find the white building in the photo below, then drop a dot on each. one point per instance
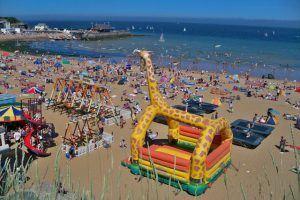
(4, 24)
(41, 27)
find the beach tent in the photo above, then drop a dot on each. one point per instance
(7, 99)
(297, 89)
(84, 73)
(98, 67)
(235, 77)
(123, 80)
(272, 120)
(216, 101)
(272, 87)
(11, 114)
(235, 88)
(65, 61)
(91, 62)
(5, 53)
(163, 79)
(34, 90)
(37, 62)
(80, 59)
(128, 67)
(58, 65)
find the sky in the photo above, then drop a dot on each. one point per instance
(89, 9)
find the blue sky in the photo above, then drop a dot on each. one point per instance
(74, 9)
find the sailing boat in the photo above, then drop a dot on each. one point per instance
(161, 39)
(266, 34)
(184, 29)
(18, 44)
(132, 27)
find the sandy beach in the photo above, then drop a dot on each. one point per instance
(260, 173)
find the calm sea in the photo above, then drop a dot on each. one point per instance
(258, 50)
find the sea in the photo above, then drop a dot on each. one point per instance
(194, 46)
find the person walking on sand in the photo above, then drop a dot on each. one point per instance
(231, 107)
(282, 144)
(122, 122)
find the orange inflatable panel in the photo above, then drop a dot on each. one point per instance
(217, 154)
(185, 168)
(187, 134)
(165, 156)
(191, 130)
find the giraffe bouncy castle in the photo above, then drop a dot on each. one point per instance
(192, 157)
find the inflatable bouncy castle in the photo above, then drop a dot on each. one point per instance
(193, 156)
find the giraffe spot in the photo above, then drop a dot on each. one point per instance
(210, 131)
(198, 119)
(187, 117)
(176, 115)
(171, 112)
(197, 161)
(208, 138)
(196, 168)
(200, 174)
(204, 145)
(205, 121)
(202, 154)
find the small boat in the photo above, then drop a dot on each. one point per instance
(162, 39)
(132, 27)
(184, 29)
(218, 45)
(266, 34)
(18, 43)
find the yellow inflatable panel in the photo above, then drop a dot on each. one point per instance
(164, 173)
(188, 139)
(165, 169)
(174, 152)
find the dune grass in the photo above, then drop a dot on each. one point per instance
(13, 173)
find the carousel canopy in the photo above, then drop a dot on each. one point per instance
(10, 114)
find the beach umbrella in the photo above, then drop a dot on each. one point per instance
(216, 101)
(10, 113)
(34, 90)
(273, 111)
(58, 65)
(297, 89)
(5, 53)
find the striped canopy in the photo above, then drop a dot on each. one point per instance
(10, 113)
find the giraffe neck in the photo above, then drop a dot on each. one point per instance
(155, 95)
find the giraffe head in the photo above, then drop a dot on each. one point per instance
(145, 56)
